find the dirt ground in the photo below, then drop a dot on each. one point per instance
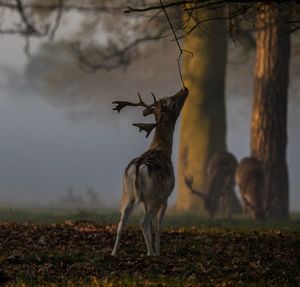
(79, 254)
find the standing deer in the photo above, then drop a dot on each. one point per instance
(250, 179)
(219, 183)
(149, 179)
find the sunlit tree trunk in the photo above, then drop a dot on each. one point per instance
(269, 116)
(203, 125)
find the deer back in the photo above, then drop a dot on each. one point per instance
(220, 172)
(220, 178)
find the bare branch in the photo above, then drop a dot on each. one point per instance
(67, 7)
(176, 39)
(30, 28)
(114, 57)
(294, 24)
(57, 20)
(158, 7)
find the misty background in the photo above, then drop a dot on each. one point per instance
(59, 134)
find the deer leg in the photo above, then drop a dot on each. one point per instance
(245, 204)
(223, 203)
(151, 232)
(229, 195)
(147, 221)
(146, 228)
(159, 218)
(124, 216)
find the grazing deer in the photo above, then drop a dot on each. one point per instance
(219, 183)
(149, 179)
(250, 179)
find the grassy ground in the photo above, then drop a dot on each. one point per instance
(72, 248)
(111, 216)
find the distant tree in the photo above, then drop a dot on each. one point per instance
(203, 126)
(269, 116)
(71, 199)
(93, 199)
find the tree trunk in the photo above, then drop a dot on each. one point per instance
(203, 125)
(269, 115)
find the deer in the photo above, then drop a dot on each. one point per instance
(250, 179)
(219, 183)
(149, 179)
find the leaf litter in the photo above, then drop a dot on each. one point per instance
(60, 254)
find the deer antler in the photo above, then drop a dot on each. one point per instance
(189, 183)
(146, 127)
(122, 104)
(149, 109)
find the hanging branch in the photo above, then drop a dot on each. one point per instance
(57, 20)
(29, 27)
(177, 41)
(155, 7)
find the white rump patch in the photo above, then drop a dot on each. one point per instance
(144, 177)
(144, 174)
(145, 184)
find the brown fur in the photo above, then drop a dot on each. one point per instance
(219, 183)
(250, 179)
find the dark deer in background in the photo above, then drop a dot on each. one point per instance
(250, 179)
(149, 179)
(219, 183)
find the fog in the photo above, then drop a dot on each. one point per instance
(58, 131)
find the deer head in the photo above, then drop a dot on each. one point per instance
(165, 110)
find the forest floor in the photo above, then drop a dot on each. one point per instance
(77, 253)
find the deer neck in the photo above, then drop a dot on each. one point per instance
(163, 138)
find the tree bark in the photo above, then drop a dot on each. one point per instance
(203, 124)
(269, 115)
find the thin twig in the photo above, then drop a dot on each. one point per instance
(155, 7)
(155, 15)
(57, 20)
(171, 26)
(117, 57)
(176, 39)
(67, 7)
(29, 27)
